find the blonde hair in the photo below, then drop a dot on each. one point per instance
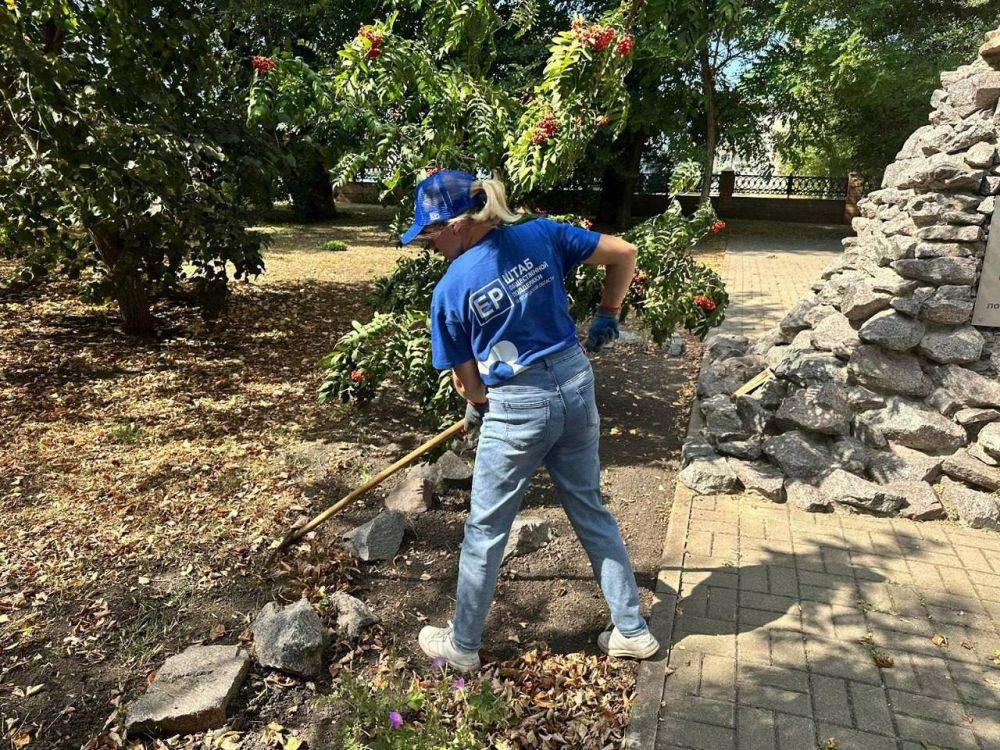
(495, 211)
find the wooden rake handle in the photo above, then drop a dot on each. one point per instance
(376, 480)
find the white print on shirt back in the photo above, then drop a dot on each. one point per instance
(518, 282)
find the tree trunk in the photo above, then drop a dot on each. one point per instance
(126, 285)
(619, 180)
(711, 121)
(310, 187)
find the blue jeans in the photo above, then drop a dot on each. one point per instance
(544, 414)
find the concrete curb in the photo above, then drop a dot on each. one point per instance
(644, 722)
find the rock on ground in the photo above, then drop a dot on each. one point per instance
(694, 447)
(806, 497)
(843, 487)
(900, 463)
(760, 477)
(415, 491)
(353, 615)
(971, 388)
(290, 638)
(896, 372)
(913, 425)
(989, 439)
(527, 535)
(455, 470)
(960, 465)
(191, 692)
(379, 539)
(922, 503)
(976, 509)
(709, 476)
(892, 330)
(798, 455)
(821, 408)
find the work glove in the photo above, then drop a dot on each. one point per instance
(603, 330)
(474, 414)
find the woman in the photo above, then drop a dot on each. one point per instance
(500, 321)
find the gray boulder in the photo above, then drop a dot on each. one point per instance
(843, 487)
(709, 476)
(455, 470)
(861, 301)
(895, 372)
(989, 439)
(937, 172)
(290, 638)
(938, 271)
(723, 346)
(834, 334)
(379, 539)
(974, 508)
(961, 465)
(945, 402)
(527, 535)
(971, 388)
(798, 455)
(956, 346)
(806, 367)
(415, 491)
(974, 419)
(749, 449)
(806, 497)
(862, 399)
(850, 454)
(795, 319)
(760, 477)
(191, 692)
(951, 233)
(922, 503)
(726, 375)
(976, 450)
(902, 464)
(722, 420)
(912, 424)
(820, 408)
(694, 447)
(892, 331)
(353, 615)
(950, 304)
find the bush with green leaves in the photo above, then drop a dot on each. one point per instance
(438, 713)
(670, 290)
(124, 159)
(335, 246)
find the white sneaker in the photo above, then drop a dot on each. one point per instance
(615, 644)
(437, 644)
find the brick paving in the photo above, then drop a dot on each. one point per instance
(779, 626)
(766, 273)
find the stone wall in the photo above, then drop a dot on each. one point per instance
(884, 396)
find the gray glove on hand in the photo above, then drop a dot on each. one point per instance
(474, 414)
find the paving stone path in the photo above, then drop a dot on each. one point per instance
(766, 273)
(780, 625)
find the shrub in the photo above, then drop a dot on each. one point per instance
(335, 246)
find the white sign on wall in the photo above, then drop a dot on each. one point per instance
(987, 311)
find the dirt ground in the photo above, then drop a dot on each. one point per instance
(142, 482)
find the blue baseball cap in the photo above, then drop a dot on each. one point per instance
(440, 197)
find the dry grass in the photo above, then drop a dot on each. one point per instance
(140, 480)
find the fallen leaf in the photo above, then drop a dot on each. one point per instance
(20, 738)
(939, 640)
(883, 661)
(967, 644)
(218, 630)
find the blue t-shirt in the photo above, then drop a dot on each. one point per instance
(503, 302)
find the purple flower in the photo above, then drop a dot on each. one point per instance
(438, 661)
(395, 720)
(458, 684)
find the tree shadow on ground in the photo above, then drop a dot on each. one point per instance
(798, 647)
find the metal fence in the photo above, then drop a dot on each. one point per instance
(791, 186)
(786, 186)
